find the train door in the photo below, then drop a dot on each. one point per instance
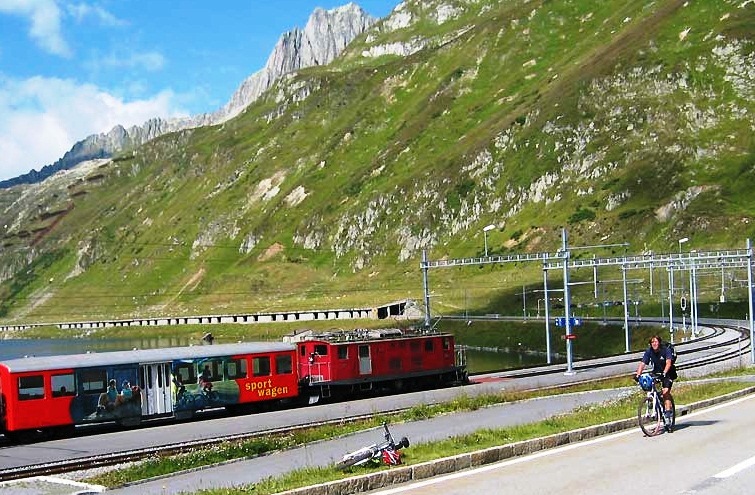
(365, 361)
(155, 382)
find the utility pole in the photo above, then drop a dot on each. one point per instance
(567, 303)
(426, 287)
(626, 308)
(749, 290)
(547, 316)
(671, 303)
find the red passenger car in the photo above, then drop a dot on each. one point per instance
(53, 392)
(343, 362)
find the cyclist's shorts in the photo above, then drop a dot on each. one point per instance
(667, 382)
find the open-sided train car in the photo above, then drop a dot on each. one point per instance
(338, 363)
(44, 393)
(59, 392)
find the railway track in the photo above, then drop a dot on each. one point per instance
(81, 463)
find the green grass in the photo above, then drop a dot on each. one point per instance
(396, 154)
(683, 393)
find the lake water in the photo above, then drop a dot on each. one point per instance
(15, 348)
(477, 360)
(481, 361)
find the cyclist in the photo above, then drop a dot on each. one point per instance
(662, 359)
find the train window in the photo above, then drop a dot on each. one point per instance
(261, 366)
(63, 385)
(211, 371)
(446, 344)
(31, 387)
(429, 345)
(321, 350)
(364, 351)
(283, 364)
(186, 372)
(303, 350)
(343, 352)
(235, 368)
(94, 381)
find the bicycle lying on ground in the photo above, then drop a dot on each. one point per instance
(650, 415)
(387, 451)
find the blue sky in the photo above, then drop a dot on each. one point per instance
(71, 68)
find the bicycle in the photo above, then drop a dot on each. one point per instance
(388, 451)
(650, 413)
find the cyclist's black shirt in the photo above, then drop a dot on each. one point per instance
(659, 359)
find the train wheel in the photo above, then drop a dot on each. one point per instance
(65, 431)
(130, 421)
(24, 436)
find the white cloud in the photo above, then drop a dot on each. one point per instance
(151, 61)
(44, 16)
(81, 11)
(44, 117)
(46, 19)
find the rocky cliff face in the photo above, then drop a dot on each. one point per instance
(324, 37)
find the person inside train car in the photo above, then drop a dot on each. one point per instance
(125, 395)
(205, 379)
(107, 399)
(178, 381)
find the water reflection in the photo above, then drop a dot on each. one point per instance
(480, 361)
(15, 348)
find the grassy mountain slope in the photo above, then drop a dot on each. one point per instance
(621, 121)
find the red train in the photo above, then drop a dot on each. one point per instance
(58, 392)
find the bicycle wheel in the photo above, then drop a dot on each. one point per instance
(648, 418)
(673, 416)
(354, 458)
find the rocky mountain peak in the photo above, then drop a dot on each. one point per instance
(324, 37)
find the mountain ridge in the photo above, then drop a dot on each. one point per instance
(622, 122)
(325, 34)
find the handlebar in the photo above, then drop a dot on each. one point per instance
(651, 373)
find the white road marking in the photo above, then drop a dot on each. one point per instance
(736, 468)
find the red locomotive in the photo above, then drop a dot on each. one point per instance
(346, 362)
(58, 392)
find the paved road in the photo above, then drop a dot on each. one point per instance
(710, 453)
(328, 452)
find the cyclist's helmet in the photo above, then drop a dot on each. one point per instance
(646, 382)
